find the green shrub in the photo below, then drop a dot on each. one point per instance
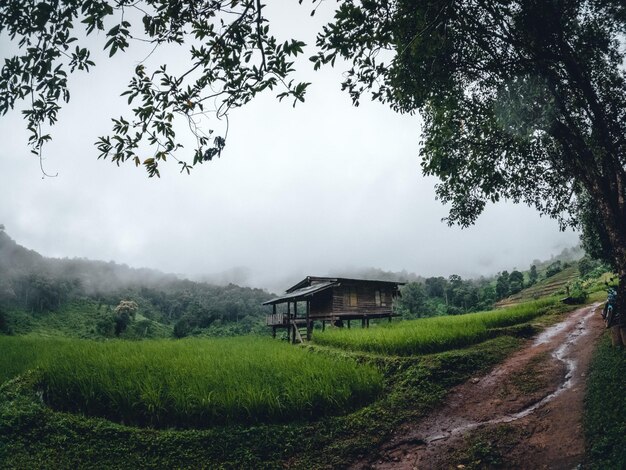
(4, 323)
(577, 292)
(181, 328)
(554, 269)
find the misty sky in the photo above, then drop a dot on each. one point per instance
(305, 191)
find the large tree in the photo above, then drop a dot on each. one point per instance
(520, 99)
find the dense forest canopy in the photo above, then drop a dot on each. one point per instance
(38, 284)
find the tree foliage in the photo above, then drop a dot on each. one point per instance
(503, 285)
(554, 268)
(440, 296)
(521, 99)
(124, 314)
(232, 57)
(516, 281)
(533, 276)
(413, 300)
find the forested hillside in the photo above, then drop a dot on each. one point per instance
(33, 287)
(434, 296)
(84, 298)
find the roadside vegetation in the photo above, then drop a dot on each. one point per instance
(605, 408)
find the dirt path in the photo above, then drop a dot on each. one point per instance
(525, 413)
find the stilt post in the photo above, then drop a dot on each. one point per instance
(308, 321)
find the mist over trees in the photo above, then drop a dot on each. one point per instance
(521, 100)
(38, 284)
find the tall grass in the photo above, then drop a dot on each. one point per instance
(429, 335)
(20, 353)
(196, 382)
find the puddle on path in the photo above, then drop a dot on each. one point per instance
(560, 354)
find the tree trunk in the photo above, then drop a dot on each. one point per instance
(616, 231)
(621, 296)
(616, 337)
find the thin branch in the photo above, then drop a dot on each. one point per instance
(259, 28)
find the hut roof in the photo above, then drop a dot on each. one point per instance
(301, 294)
(313, 284)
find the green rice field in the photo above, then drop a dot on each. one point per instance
(191, 382)
(245, 380)
(429, 335)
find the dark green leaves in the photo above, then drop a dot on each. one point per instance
(119, 35)
(521, 100)
(233, 57)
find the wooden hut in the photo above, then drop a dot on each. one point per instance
(331, 299)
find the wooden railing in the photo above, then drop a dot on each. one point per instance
(276, 319)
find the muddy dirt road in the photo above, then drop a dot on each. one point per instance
(528, 409)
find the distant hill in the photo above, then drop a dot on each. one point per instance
(94, 276)
(34, 284)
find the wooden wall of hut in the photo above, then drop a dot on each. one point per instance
(350, 299)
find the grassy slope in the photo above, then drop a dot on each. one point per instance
(546, 287)
(427, 335)
(412, 385)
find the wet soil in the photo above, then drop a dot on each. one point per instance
(525, 413)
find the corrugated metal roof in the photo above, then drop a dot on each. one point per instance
(302, 293)
(316, 279)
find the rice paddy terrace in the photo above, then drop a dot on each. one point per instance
(192, 382)
(551, 286)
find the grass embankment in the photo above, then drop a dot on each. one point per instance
(20, 353)
(429, 335)
(194, 382)
(605, 408)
